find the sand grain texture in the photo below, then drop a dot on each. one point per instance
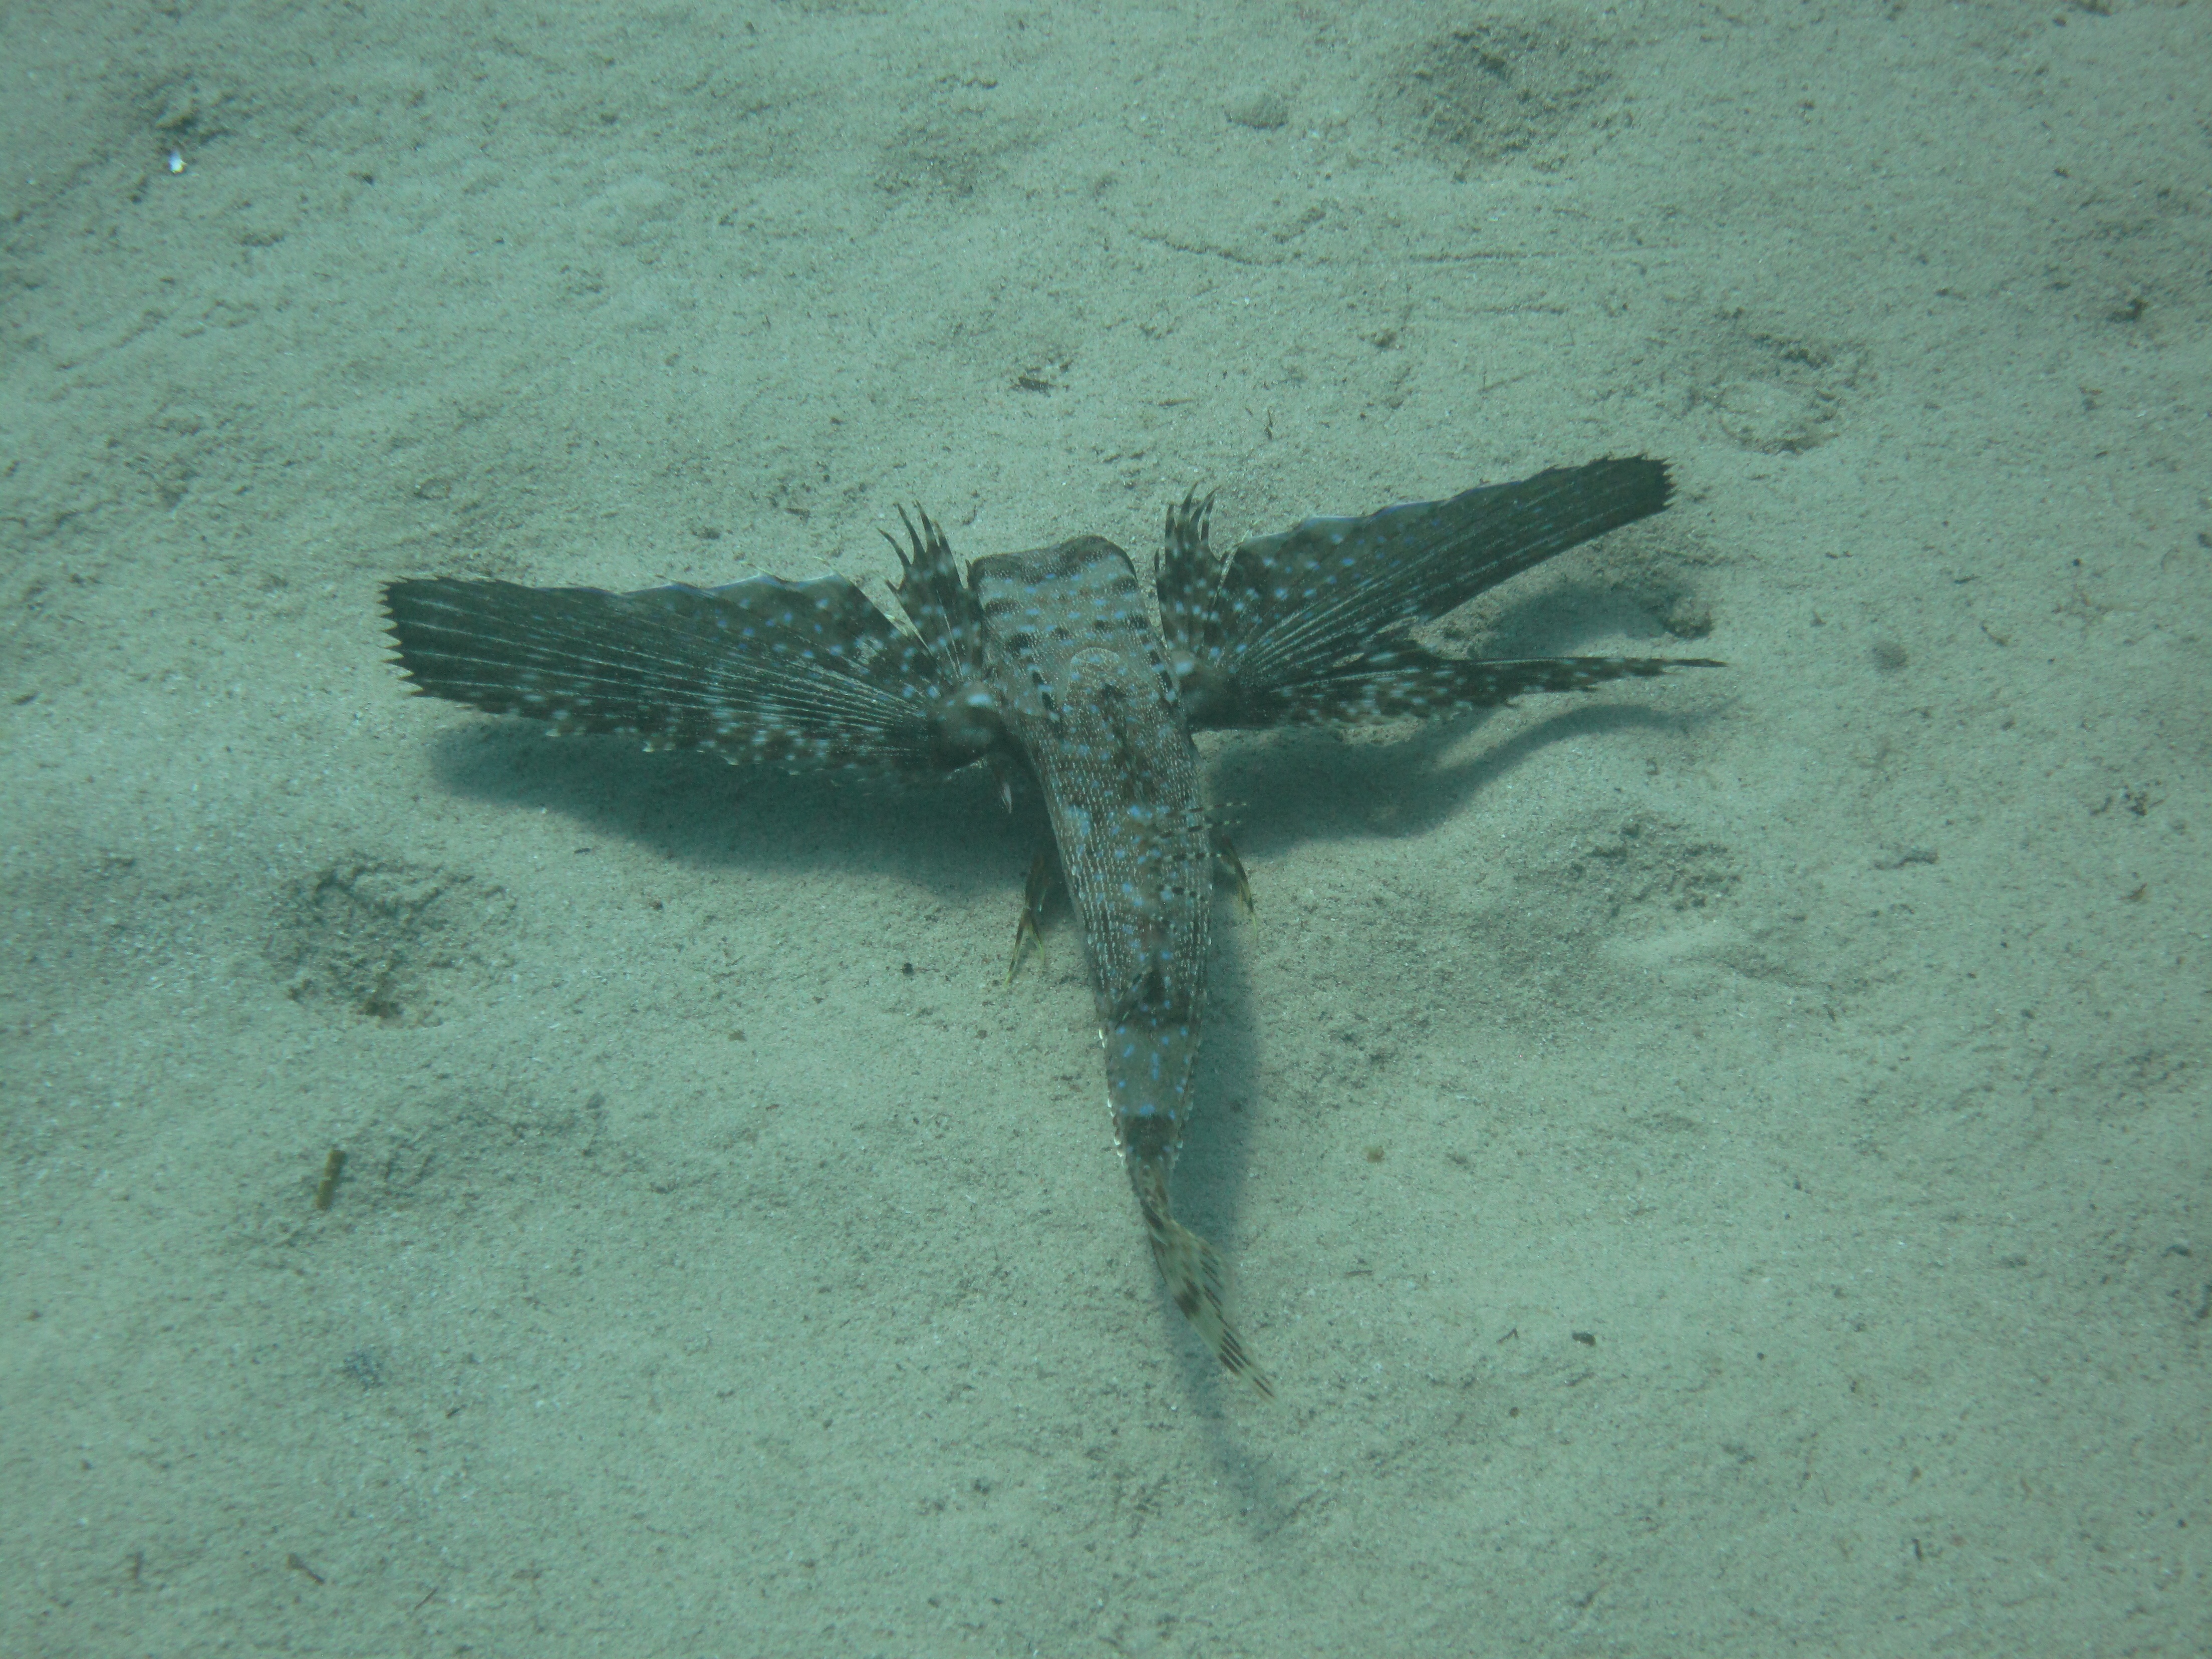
(1713, 1167)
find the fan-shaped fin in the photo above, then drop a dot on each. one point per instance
(804, 674)
(1318, 602)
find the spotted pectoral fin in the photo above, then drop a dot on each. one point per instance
(1290, 608)
(1413, 684)
(798, 674)
(1192, 1272)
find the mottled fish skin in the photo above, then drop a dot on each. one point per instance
(1050, 664)
(1085, 689)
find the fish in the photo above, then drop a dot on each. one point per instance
(1055, 669)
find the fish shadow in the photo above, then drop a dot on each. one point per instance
(1304, 784)
(951, 837)
(954, 839)
(1298, 787)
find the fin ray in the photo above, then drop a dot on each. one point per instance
(804, 674)
(1192, 1272)
(1319, 602)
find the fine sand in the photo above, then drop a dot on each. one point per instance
(1713, 1166)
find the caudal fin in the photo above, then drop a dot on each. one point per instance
(1193, 1273)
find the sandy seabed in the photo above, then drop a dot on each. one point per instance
(1715, 1166)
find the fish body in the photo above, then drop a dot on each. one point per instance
(1051, 664)
(1087, 694)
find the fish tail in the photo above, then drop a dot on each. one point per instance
(1192, 1272)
